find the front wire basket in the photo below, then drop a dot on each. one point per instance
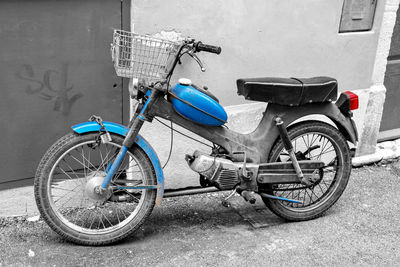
(143, 57)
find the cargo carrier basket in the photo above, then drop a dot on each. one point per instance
(142, 57)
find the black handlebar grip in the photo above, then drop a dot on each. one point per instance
(208, 48)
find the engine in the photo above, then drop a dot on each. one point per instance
(221, 172)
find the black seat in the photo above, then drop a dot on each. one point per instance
(288, 91)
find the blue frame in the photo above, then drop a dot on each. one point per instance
(92, 126)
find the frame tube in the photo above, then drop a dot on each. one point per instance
(257, 144)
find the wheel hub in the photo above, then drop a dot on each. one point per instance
(93, 187)
(316, 177)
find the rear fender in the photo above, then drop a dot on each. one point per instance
(344, 123)
(88, 127)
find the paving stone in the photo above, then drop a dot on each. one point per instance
(258, 215)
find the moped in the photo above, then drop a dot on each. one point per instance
(99, 183)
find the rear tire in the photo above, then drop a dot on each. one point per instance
(332, 148)
(63, 180)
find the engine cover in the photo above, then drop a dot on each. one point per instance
(222, 173)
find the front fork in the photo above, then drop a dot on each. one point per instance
(129, 139)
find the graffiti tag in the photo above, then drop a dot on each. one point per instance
(45, 88)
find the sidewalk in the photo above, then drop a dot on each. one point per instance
(18, 202)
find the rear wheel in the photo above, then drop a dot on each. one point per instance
(67, 177)
(311, 141)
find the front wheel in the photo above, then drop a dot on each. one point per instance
(66, 180)
(311, 140)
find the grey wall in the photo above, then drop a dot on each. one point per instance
(265, 38)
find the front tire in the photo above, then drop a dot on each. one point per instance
(64, 185)
(325, 143)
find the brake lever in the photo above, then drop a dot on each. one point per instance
(196, 58)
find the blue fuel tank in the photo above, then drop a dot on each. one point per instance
(197, 106)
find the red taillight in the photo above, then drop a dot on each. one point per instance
(353, 100)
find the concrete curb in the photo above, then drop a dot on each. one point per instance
(388, 150)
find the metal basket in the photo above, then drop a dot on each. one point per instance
(142, 57)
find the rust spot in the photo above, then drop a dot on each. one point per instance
(159, 195)
(158, 201)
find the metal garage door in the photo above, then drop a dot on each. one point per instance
(55, 71)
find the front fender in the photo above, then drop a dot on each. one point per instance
(88, 127)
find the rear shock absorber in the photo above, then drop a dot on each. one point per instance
(287, 143)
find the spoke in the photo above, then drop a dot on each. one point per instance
(68, 200)
(124, 212)
(308, 193)
(77, 161)
(327, 152)
(69, 177)
(73, 190)
(74, 180)
(137, 199)
(100, 221)
(322, 190)
(304, 141)
(60, 188)
(116, 212)
(69, 166)
(85, 159)
(297, 195)
(119, 171)
(305, 196)
(82, 199)
(313, 193)
(287, 194)
(323, 147)
(104, 162)
(312, 140)
(91, 224)
(77, 217)
(327, 186)
(105, 217)
(291, 194)
(84, 168)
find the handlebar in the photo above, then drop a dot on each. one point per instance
(190, 47)
(207, 48)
